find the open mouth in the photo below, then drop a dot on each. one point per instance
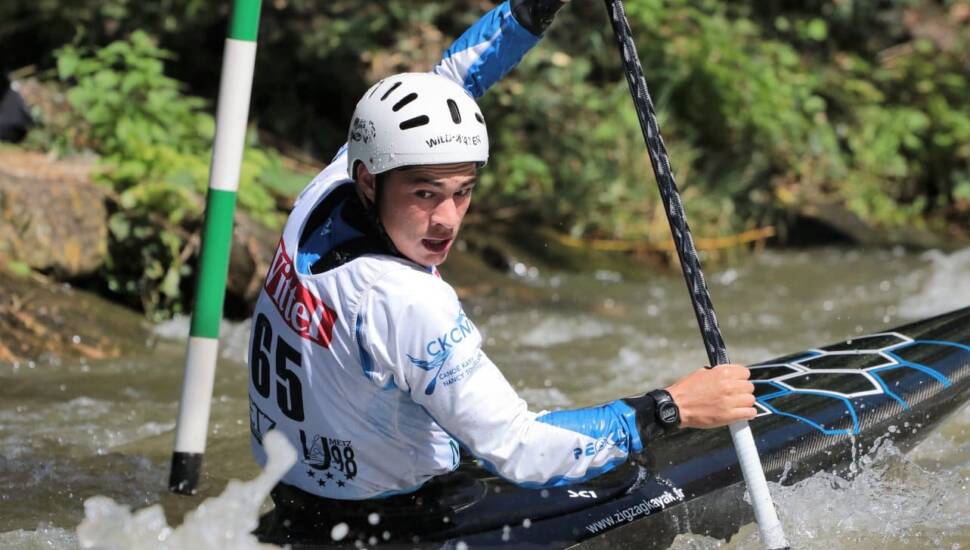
(436, 245)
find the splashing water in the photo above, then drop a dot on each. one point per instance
(947, 287)
(72, 430)
(892, 502)
(220, 522)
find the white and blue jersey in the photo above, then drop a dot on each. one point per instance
(370, 367)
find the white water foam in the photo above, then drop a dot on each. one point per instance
(233, 336)
(892, 502)
(556, 330)
(175, 328)
(220, 522)
(42, 538)
(946, 288)
(85, 422)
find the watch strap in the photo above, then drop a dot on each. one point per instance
(647, 424)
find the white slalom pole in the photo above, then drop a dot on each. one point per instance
(232, 115)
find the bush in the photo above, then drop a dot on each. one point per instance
(154, 143)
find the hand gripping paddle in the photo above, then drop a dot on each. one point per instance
(754, 476)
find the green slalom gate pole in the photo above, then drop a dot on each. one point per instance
(232, 116)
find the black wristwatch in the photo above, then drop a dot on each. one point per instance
(665, 410)
(657, 414)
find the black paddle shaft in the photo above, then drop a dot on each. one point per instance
(691, 265)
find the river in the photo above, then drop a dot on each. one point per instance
(70, 430)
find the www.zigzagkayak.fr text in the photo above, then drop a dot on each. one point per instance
(643, 508)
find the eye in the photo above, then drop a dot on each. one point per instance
(466, 191)
(424, 194)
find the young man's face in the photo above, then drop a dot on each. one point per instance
(422, 208)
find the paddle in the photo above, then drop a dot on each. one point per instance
(764, 509)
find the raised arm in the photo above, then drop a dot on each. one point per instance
(480, 57)
(496, 43)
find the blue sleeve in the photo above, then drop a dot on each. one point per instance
(614, 423)
(488, 50)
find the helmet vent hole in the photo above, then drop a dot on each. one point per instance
(455, 115)
(376, 87)
(480, 118)
(404, 101)
(388, 92)
(415, 122)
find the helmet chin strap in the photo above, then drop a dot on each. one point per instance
(373, 215)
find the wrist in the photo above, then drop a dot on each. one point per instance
(653, 411)
(677, 396)
(535, 15)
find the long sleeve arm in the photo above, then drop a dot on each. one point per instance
(478, 59)
(488, 50)
(418, 335)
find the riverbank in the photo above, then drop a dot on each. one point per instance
(62, 250)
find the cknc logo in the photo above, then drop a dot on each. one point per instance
(438, 350)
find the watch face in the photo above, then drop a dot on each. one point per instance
(668, 413)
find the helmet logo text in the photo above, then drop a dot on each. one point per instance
(362, 130)
(470, 141)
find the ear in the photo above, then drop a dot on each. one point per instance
(366, 182)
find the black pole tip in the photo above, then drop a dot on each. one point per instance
(184, 476)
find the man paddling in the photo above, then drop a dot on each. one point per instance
(362, 355)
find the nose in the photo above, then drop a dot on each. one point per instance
(446, 215)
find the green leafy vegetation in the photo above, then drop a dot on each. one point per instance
(761, 119)
(769, 109)
(154, 144)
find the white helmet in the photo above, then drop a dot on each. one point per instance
(416, 118)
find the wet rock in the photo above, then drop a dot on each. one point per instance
(41, 319)
(52, 217)
(825, 223)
